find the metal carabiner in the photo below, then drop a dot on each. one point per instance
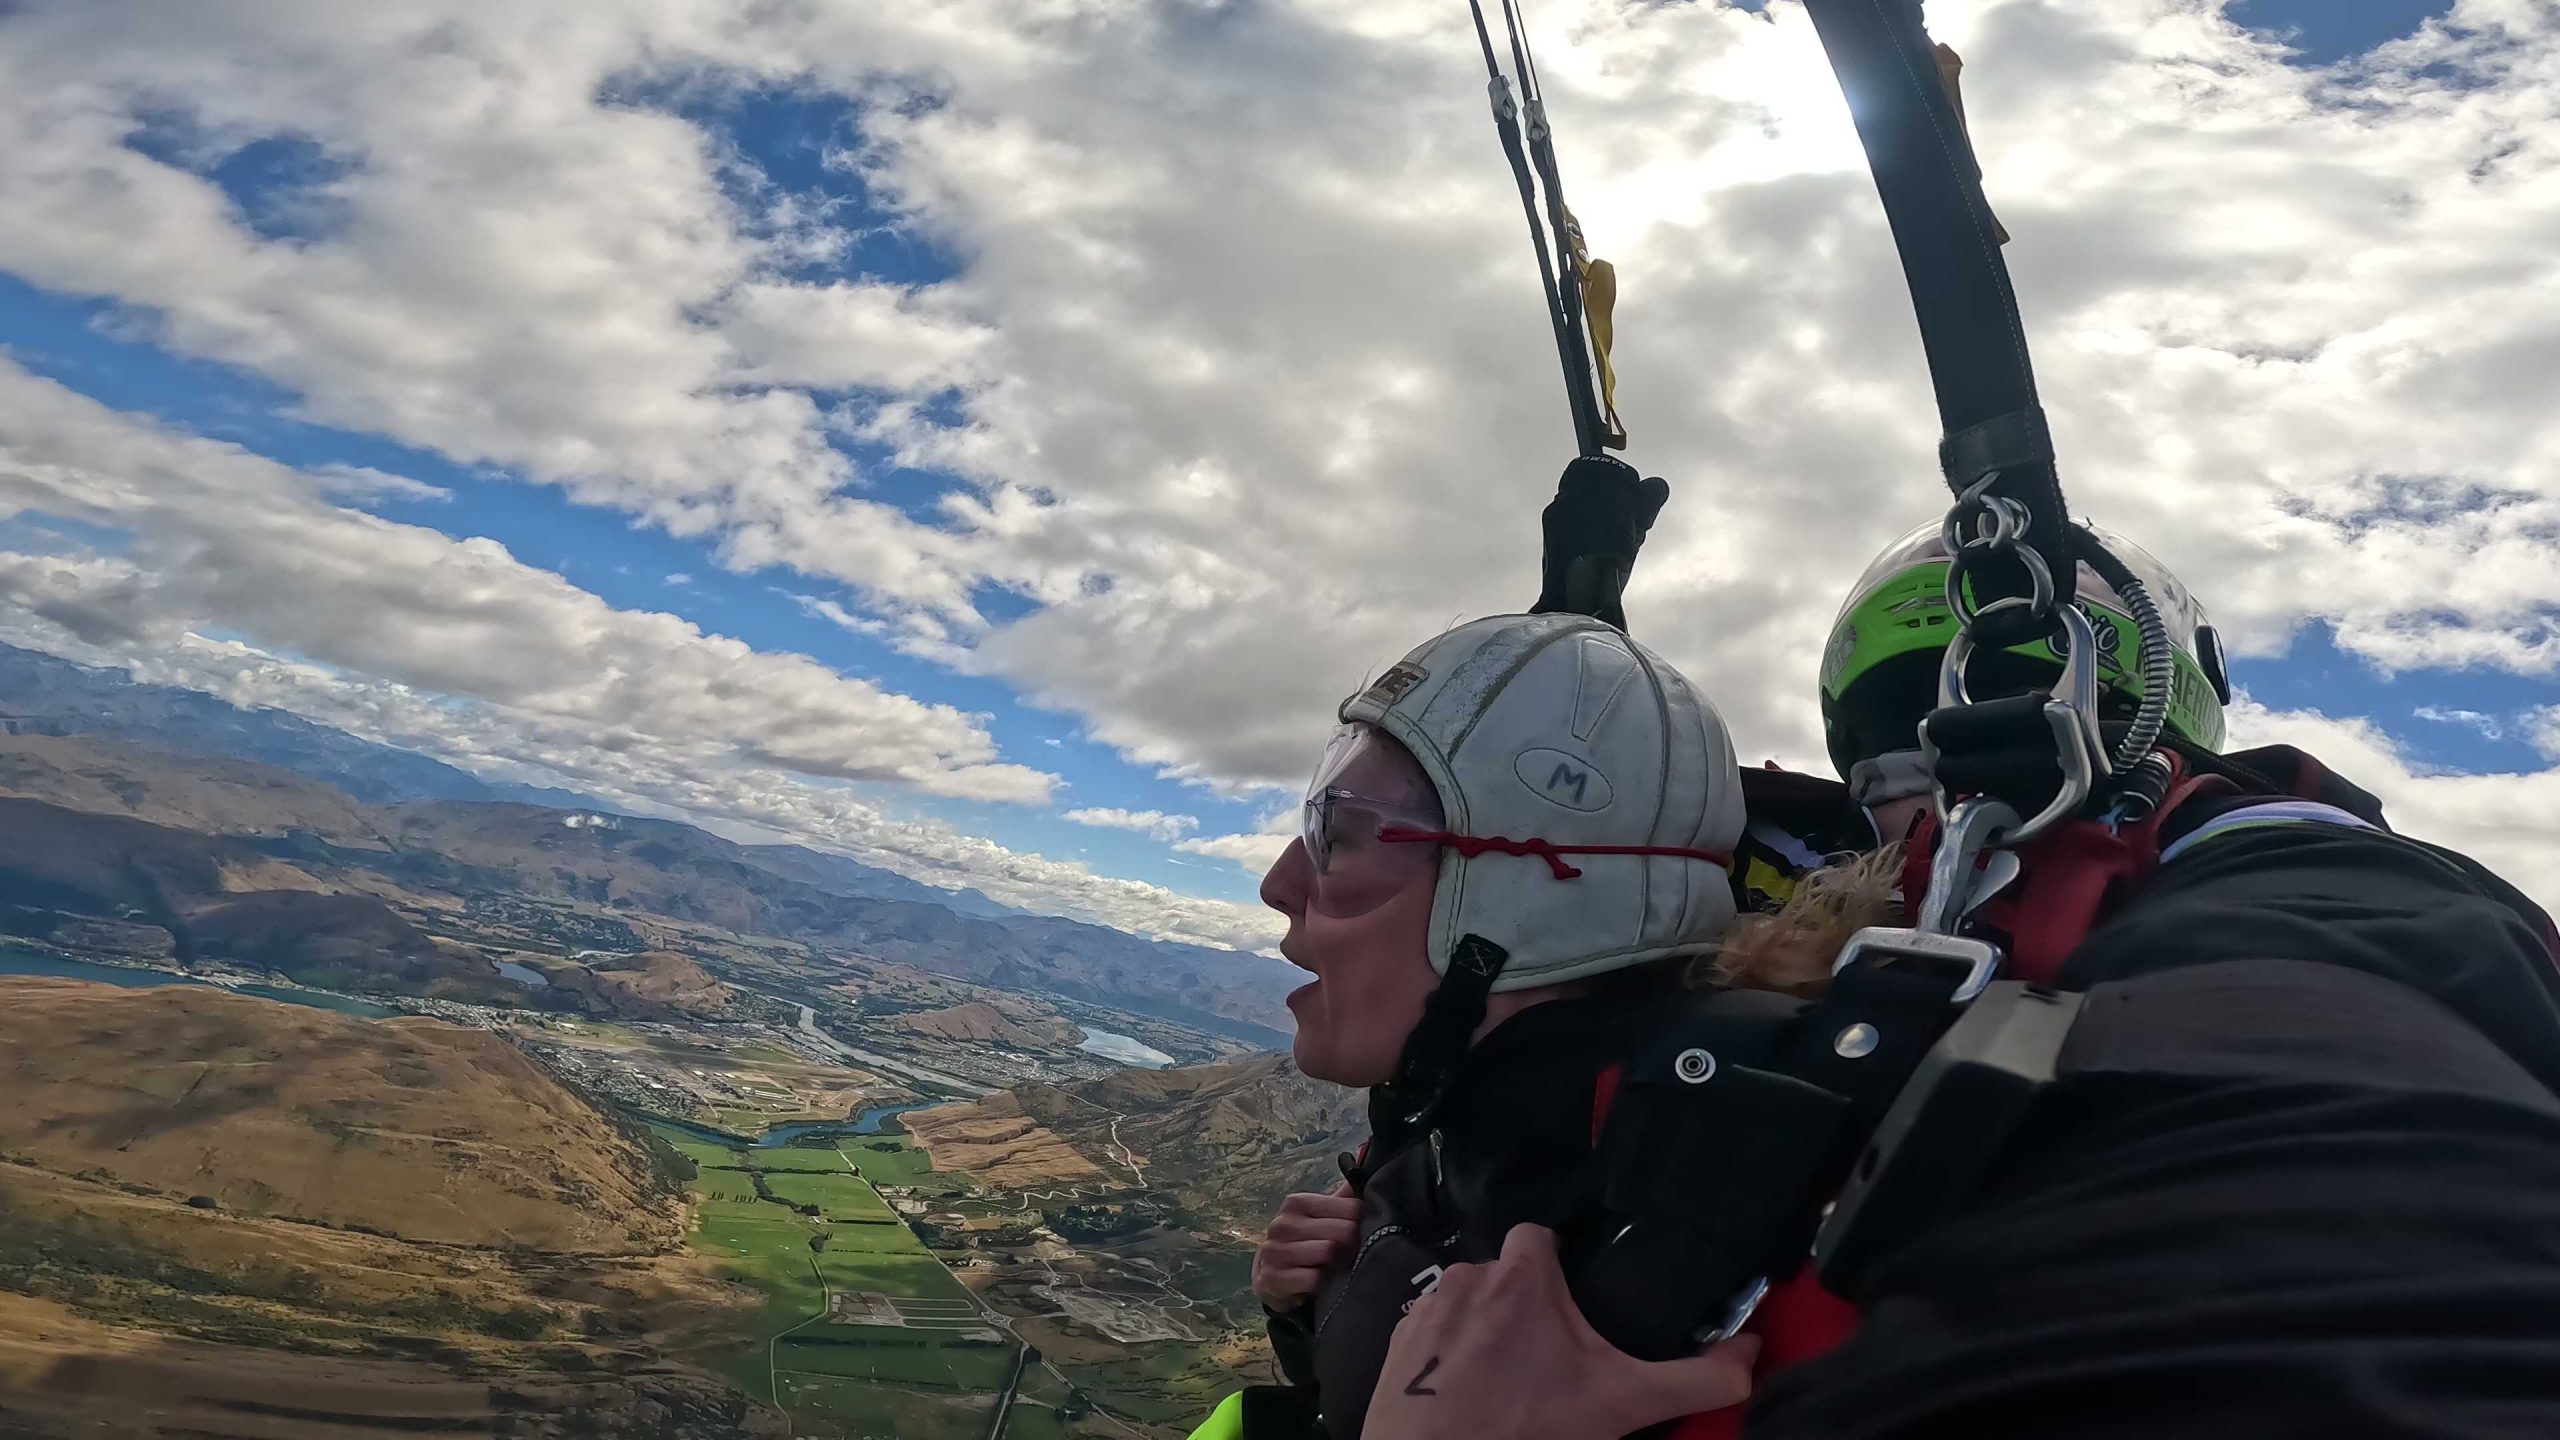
(2080, 747)
(1959, 879)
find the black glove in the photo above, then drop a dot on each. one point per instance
(1594, 527)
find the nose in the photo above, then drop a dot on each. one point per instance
(1286, 884)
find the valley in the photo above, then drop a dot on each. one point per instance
(341, 1117)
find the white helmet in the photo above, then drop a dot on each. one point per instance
(1556, 733)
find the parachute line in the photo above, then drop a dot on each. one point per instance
(1553, 234)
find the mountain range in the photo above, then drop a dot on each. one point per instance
(145, 820)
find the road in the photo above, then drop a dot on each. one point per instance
(1004, 1402)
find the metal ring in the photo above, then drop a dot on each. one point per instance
(2040, 600)
(1999, 524)
(1694, 1066)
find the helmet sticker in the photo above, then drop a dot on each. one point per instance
(1562, 779)
(1397, 683)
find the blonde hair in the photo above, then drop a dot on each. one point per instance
(1790, 949)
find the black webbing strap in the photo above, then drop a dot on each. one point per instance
(1718, 1168)
(2293, 1022)
(1438, 1044)
(1931, 185)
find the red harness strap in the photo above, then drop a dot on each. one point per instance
(2077, 874)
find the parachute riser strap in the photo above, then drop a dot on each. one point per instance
(1926, 174)
(1433, 1052)
(1532, 155)
(2013, 572)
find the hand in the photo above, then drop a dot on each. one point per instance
(1306, 1237)
(1499, 1352)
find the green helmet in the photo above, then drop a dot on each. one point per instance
(1880, 669)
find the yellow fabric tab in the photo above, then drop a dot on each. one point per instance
(1950, 72)
(1599, 307)
(1762, 878)
(1224, 1423)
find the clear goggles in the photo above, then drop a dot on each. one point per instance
(1337, 824)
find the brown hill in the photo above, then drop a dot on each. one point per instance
(1230, 1138)
(982, 1023)
(202, 793)
(409, 1127)
(652, 985)
(995, 1140)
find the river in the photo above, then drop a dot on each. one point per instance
(842, 1051)
(864, 1122)
(18, 960)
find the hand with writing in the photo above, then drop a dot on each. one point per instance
(1499, 1351)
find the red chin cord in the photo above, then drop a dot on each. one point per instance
(1471, 846)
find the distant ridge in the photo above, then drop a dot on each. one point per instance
(44, 694)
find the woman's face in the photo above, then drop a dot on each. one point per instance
(1363, 925)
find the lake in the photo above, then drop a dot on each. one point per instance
(15, 960)
(1113, 1046)
(522, 974)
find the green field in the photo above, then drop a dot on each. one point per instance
(794, 1158)
(870, 1353)
(891, 1237)
(911, 1272)
(838, 1197)
(846, 1380)
(903, 1165)
(867, 1410)
(724, 1184)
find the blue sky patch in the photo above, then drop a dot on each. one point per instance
(2324, 32)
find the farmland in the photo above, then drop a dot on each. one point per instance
(862, 1332)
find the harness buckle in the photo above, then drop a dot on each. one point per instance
(1879, 945)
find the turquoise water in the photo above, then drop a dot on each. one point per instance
(17, 961)
(865, 1123)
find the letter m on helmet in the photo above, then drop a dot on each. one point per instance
(1566, 775)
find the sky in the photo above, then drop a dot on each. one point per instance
(987, 437)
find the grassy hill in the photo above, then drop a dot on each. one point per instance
(222, 1216)
(1228, 1139)
(420, 1130)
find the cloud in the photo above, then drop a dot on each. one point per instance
(363, 483)
(1253, 852)
(1239, 384)
(224, 539)
(2488, 726)
(2509, 821)
(1154, 824)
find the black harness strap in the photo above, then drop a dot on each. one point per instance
(1717, 1166)
(1435, 1048)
